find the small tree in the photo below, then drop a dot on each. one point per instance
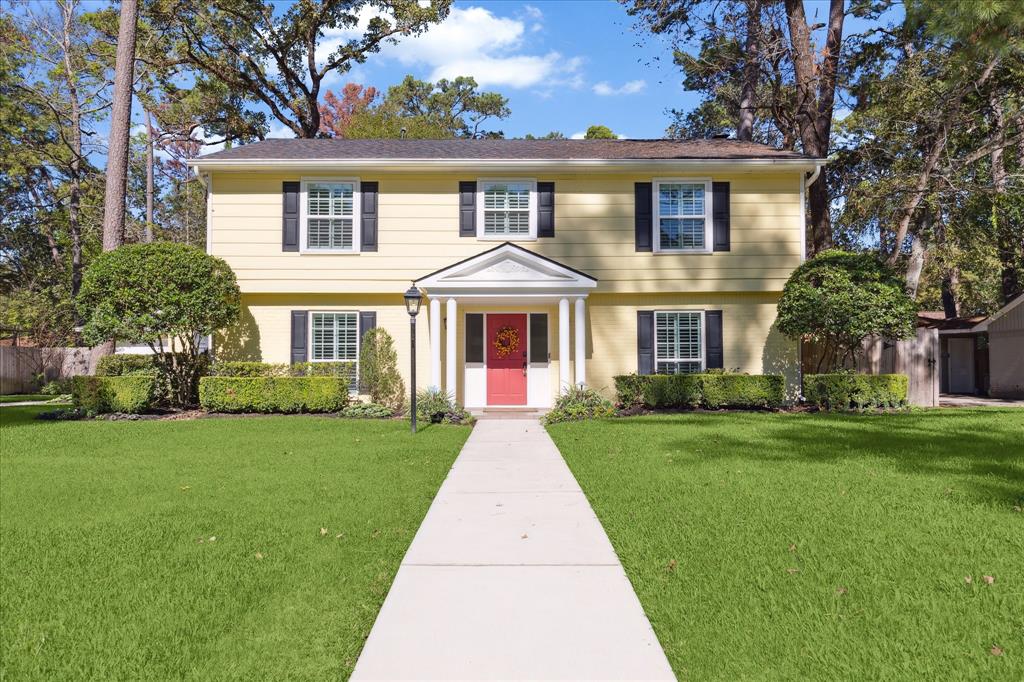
(166, 295)
(378, 369)
(598, 132)
(838, 299)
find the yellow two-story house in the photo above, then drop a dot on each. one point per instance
(542, 263)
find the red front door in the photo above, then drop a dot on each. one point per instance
(506, 359)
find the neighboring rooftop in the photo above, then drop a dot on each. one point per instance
(936, 319)
(527, 150)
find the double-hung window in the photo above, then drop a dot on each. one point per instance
(334, 337)
(682, 211)
(507, 209)
(679, 342)
(330, 210)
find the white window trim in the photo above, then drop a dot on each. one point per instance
(357, 199)
(708, 226)
(309, 333)
(703, 338)
(532, 236)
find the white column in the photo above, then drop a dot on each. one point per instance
(435, 342)
(581, 342)
(450, 381)
(563, 345)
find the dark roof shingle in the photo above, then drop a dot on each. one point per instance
(336, 149)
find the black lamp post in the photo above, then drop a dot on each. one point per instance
(413, 298)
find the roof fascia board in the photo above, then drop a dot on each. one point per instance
(499, 164)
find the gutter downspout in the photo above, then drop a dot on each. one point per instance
(814, 176)
(800, 346)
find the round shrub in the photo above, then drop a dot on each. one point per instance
(578, 403)
(839, 298)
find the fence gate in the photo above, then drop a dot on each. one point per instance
(917, 357)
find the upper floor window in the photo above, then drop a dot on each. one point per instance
(682, 215)
(508, 209)
(679, 342)
(329, 215)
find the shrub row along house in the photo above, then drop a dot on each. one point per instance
(544, 263)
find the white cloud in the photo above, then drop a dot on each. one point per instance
(605, 89)
(280, 130)
(578, 136)
(533, 12)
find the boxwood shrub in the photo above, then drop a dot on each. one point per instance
(273, 394)
(270, 369)
(847, 391)
(100, 394)
(710, 390)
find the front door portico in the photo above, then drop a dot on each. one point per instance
(502, 284)
(507, 360)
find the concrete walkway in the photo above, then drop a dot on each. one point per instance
(511, 577)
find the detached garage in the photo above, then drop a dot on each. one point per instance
(1005, 331)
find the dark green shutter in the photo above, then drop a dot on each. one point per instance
(643, 216)
(720, 215)
(538, 337)
(467, 209)
(545, 209)
(367, 321)
(290, 224)
(713, 338)
(645, 342)
(300, 323)
(368, 217)
(474, 337)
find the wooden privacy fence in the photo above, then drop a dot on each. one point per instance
(21, 366)
(916, 357)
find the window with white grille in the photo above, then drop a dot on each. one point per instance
(507, 209)
(682, 220)
(329, 216)
(679, 342)
(334, 337)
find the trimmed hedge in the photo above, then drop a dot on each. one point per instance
(273, 394)
(855, 391)
(712, 391)
(269, 369)
(100, 394)
(126, 365)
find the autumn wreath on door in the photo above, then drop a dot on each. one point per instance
(506, 341)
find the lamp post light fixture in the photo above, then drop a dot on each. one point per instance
(413, 299)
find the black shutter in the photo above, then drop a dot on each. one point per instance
(467, 209)
(538, 337)
(545, 209)
(368, 219)
(367, 321)
(643, 216)
(300, 323)
(720, 215)
(290, 227)
(474, 337)
(645, 342)
(713, 338)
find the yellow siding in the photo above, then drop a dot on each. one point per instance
(418, 233)
(751, 343)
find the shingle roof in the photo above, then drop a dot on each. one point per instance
(335, 149)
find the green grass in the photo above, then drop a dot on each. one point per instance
(109, 569)
(818, 547)
(25, 397)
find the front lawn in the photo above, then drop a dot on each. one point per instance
(236, 548)
(799, 546)
(24, 397)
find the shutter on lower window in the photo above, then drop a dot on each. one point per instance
(645, 342)
(545, 209)
(367, 321)
(643, 216)
(290, 226)
(713, 338)
(474, 337)
(538, 337)
(300, 323)
(720, 215)
(467, 209)
(368, 219)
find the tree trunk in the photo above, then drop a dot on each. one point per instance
(950, 283)
(918, 255)
(148, 234)
(1011, 252)
(815, 97)
(75, 167)
(120, 122)
(751, 72)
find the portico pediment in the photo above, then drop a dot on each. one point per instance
(505, 269)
